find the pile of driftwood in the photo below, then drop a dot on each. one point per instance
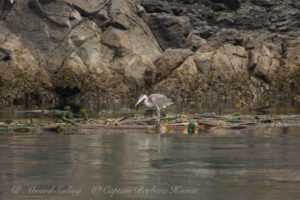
(65, 122)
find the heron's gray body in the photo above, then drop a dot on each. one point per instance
(158, 101)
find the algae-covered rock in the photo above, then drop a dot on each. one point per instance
(224, 63)
(170, 60)
(103, 50)
(67, 49)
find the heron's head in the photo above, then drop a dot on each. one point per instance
(141, 98)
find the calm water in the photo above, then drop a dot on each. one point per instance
(261, 163)
(257, 163)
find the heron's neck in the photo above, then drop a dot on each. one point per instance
(148, 103)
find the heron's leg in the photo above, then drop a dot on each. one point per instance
(158, 115)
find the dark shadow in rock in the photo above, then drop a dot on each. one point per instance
(66, 92)
(4, 54)
(5, 7)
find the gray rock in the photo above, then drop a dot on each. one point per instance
(155, 6)
(88, 6)
(169, 61)
(264, 3)
(225, 63)
(111, 49)
(170, 31)
(75, 45)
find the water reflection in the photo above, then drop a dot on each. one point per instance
(224, 164)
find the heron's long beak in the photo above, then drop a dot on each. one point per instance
(139, 101)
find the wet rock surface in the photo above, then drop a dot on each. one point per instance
(114, 49)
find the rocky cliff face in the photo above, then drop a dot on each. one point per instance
(115, 49)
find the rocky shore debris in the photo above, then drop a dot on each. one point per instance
(66, 122)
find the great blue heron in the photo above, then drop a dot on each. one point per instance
(158, 101)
